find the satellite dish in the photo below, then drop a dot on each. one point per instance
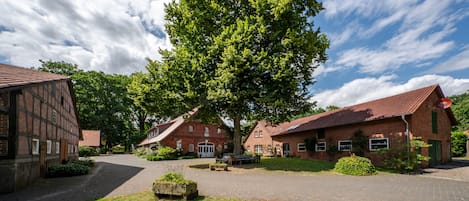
(445, 103)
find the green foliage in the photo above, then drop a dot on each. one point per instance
(458, 144)
(460, 109)
(67, 170)
(244, 60)
(310, 144)
(88, 163)
(174, 178)
(332, 150)
(355, 165)
(295, 165)
(102, 102)
(360, 143)
(118, 149)
(166, 153)
(140, 152)
(154, 158)
(87, 151)
(397, 157)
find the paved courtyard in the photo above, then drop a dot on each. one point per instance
(124, 174)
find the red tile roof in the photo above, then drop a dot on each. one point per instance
(394, 106)
(13, 76)
(91, 138)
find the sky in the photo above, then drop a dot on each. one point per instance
(378, 48)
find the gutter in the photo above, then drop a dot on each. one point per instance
(407, 137)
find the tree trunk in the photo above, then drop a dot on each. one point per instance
(141, 122)
(237, 134)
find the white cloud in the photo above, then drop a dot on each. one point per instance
(422, 35)
(366, 89)
(457, 62)
(112, 36)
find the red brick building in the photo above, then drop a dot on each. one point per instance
(91, 138)
(384, 122)
(38, 124)
(188, 134)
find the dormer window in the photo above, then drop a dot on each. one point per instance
(206, 133)
(191, 129)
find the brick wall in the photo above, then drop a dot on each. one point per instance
(196, 136)
(269, 146)
(45, 112)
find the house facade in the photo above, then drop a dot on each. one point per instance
(189, 135)
(90, 138)
(38, 124)
(386, 123)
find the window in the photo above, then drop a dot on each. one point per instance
(379, 143)
(191, 147)
(206, 133)
(345, 145)
(260, 133)
(218, 130)
(179, 145)
(35, 147)
(320, 146)
(321, 133)
(256, 133)
(269, 148)
(57, 147)
(49, 146)
(225, 145)
(258, 149)
(301, 147)
(434, 122)
(190, 128)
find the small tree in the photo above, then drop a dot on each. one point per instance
(397, 157)
(458, 144)
(359, 143)
(310, 144)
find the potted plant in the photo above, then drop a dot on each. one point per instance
(174, 184)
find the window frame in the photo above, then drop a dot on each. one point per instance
(370, 143)
(35, 146)
(303, 145)
(57, 147)
(49, 146)
(190, 128)
(256, 147)
(316, 147)
(206, 132)
(339, 148)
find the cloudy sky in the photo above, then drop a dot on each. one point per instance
(378, 48)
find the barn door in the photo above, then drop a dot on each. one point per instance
(63, 150)
(434, 151)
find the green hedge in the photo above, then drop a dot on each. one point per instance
(87, 151)
(154, 158)
(66, 170)
(118, 149)
(355, 165)
(87, 163)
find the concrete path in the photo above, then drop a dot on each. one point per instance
(125, 174)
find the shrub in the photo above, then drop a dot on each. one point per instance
(87, 151)
(166, 153)
(310, 144)
(66, 170)
(118, 149)
(355, 165)
(154, 158)
(174, 178)
(397, 157)
(458, 144)
(87, 163)
(360, 143)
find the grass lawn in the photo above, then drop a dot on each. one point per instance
(295, 165)
(148, 196)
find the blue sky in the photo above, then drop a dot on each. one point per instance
(378, 48)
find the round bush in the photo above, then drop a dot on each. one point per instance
(355, 165)
(87, 151)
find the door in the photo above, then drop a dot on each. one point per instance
(434, 152)
(205, 150)
(63, 150)
(286, 149)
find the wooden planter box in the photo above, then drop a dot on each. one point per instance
(214, 166)
(187, 191)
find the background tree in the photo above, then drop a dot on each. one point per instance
(460, 109)
(243, 60)
(102, 102)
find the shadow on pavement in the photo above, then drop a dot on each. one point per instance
(453, 165)
(102, 180)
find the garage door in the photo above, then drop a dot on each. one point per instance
(206, 150)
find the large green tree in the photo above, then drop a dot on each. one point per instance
(460, 109)
(102, 101)
(245, 59)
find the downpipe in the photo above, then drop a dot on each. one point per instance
(407, 137)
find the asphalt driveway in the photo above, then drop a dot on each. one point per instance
(124, 174)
